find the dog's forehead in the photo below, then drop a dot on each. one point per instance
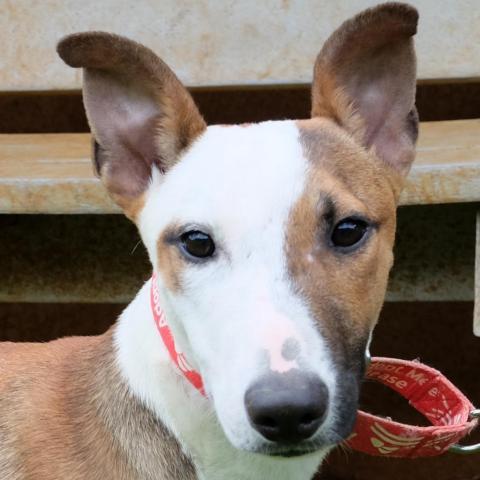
(236, 173)
(252, 156)
(241, 178)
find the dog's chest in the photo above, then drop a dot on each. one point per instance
(202, 438)
(253, 467)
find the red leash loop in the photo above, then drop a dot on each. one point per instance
(429, 392)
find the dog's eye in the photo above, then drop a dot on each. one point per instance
(349, 232)
(197, 244)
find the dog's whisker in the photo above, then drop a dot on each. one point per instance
(135, 247)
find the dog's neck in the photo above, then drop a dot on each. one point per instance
(153, 379)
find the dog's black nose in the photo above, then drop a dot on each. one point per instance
(288, 407)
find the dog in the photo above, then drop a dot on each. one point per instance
(271, 245)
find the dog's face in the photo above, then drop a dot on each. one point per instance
(272, 241)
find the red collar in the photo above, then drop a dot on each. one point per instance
(178, 358)
(427, 390)
(430, 393)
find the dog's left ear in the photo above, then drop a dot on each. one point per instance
(365, 77)
(140, 115)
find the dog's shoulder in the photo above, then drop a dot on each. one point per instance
(22, 361)
(39, 386)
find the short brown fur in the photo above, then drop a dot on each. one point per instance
(360, 144)
(345, 292)
(170, 262)
(65, 412)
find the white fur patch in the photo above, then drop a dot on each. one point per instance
(235, 312)
(145, 364)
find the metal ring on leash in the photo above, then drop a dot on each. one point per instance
(467, 449)
(368, 358)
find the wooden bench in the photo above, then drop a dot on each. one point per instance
(52, 173)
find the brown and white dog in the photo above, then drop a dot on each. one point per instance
(271, 245)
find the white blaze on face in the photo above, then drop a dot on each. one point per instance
(277, 333)
(237, 315)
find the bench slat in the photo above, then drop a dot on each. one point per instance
(52, 173)
(447, 167)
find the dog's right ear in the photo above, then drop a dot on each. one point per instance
(140, 114)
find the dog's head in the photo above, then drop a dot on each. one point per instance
(272, 241)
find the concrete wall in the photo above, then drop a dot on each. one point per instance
(216, 42)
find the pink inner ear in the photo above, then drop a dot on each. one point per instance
(384, 108)
(374, 105)
(124, 119)
(384, 111)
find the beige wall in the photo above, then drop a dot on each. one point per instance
(221, 42)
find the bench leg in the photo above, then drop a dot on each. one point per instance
(476, 298)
